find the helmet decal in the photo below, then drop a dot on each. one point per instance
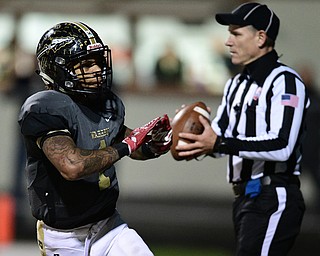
(57, 43)
(94, 46)
(87, 31)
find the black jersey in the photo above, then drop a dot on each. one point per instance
(58, 202)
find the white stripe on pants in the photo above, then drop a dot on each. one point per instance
(274, 220)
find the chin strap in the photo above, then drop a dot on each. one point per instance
(45, 78)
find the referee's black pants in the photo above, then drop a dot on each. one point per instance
(269, 223)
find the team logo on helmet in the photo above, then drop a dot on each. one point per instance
(58, 43)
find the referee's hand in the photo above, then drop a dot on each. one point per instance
(202, 144)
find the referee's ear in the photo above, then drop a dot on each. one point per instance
(262, 38)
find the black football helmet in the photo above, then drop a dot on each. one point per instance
(71, 44)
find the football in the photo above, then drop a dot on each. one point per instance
(187, 120)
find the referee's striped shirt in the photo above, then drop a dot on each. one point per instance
(260, 120)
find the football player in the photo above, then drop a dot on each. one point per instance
(74, 132)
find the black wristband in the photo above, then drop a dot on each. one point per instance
(220, 146)
(147, 151)
(216, 145)
(122, 148)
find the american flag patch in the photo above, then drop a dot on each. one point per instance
(289, 100)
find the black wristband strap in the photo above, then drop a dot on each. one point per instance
(122, 148)
(220, 146)
(147, 151)
(216, 145)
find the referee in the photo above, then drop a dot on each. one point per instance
(259, 124)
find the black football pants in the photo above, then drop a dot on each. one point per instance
(269, 223)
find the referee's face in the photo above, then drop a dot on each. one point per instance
(244, 44)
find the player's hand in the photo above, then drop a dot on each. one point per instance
(161, 137)
(140, 135)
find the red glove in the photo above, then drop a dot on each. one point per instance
(139, 135)
(161, 137)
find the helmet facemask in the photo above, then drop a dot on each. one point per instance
(89, 74)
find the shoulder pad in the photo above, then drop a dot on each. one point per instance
(46, 102)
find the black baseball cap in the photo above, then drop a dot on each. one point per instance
(258, 15)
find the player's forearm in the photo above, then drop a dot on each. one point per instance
(74, 163)
(93, 161)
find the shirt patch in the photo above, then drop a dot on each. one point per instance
(289, 100)
(257, 93)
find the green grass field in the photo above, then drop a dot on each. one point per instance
(185, 251)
